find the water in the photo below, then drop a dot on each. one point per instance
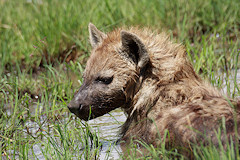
(228, 84)
(108, 126)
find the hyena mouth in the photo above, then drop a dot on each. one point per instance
(88, 112)
(80, 112)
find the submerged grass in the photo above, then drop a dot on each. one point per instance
(43, 50)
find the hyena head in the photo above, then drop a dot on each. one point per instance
(111, 73)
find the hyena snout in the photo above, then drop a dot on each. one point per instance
(74, 107)
(96, 99)
(79, 104)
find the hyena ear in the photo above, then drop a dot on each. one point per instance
(135, 49)
(95, 35)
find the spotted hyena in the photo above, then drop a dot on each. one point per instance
(151, 80)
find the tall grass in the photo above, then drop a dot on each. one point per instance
(36, 84)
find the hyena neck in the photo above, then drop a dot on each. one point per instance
(167, 88)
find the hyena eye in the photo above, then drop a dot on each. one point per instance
(104, 80)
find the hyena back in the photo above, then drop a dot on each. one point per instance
(151, 79)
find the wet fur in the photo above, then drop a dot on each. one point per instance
(163, 94)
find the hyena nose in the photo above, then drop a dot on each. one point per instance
(74, 107)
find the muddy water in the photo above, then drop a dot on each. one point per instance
(107, 127)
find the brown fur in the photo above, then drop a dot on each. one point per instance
(156, 86)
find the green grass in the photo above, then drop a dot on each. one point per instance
(39, 72)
